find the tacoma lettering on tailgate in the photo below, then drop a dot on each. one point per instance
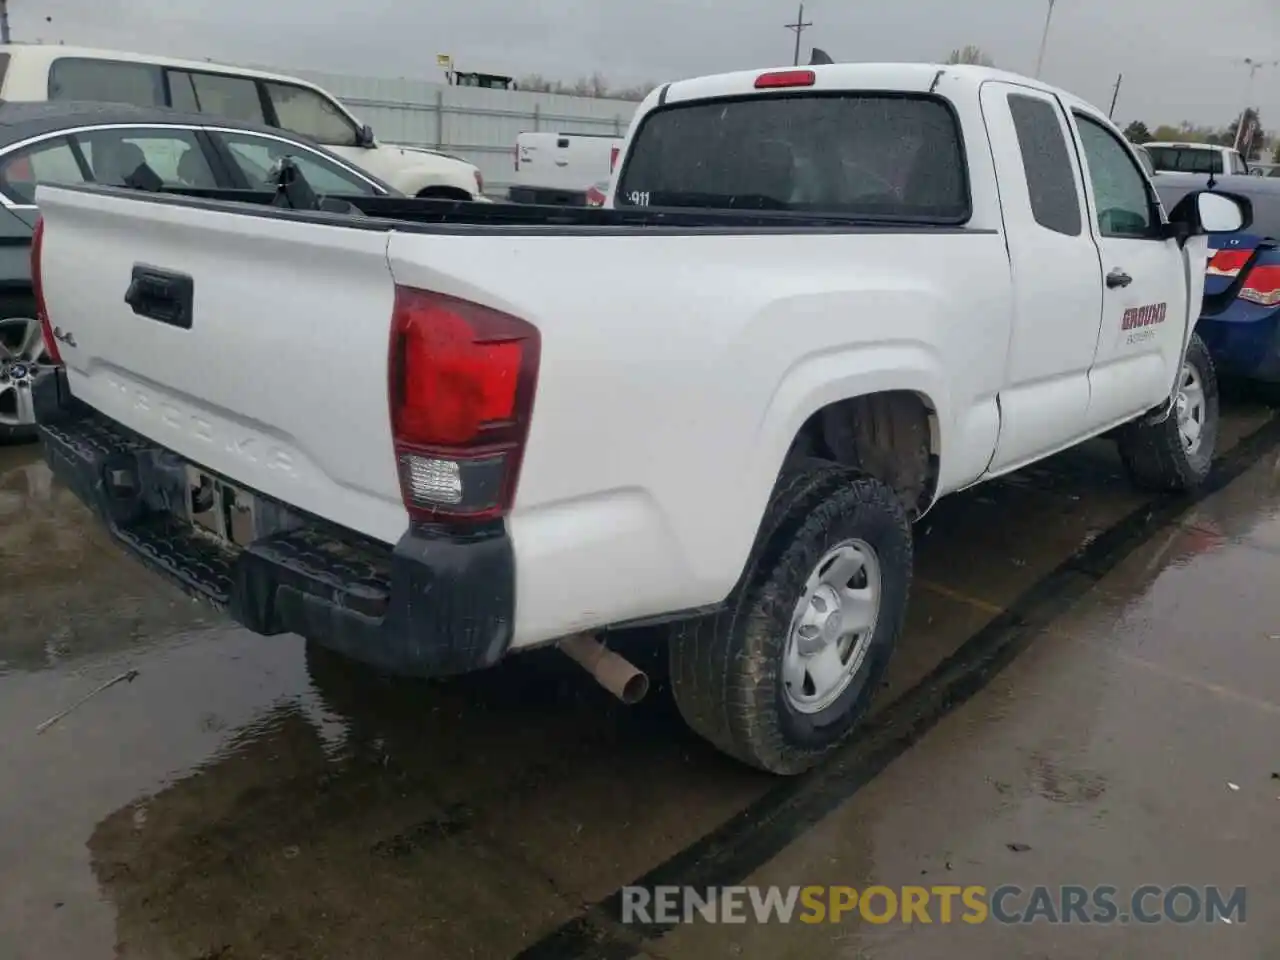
(249, 448)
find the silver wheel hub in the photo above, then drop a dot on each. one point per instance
(22, 359)
(832, 626)
(1189, 408)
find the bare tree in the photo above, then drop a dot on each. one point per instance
(971, 54)
(595, 86)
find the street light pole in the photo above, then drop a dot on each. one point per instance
(1044, 39)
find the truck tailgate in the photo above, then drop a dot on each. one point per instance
(274, 375)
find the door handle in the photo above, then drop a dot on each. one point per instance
(162, 295)
(1118, 278)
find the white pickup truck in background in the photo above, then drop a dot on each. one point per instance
(1195, 158)
(560, 168)
(836, 294)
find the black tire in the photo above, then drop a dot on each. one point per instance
(1154, 454)
(17, 305)
(726, 670)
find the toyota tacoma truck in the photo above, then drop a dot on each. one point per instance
(404, 431)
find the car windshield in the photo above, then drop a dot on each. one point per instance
(865, 155)
(1186, 159)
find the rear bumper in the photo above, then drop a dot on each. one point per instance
(432, 605)
(547, 196)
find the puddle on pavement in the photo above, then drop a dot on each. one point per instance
(250, 796)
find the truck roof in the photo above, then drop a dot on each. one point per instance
(909, 77)
(44, 54)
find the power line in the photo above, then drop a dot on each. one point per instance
(797, 28)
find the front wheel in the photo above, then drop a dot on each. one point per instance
(1176, 453)
(785, 672)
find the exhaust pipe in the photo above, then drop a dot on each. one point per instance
(617, 675)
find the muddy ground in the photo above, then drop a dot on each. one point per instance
(1088, 692)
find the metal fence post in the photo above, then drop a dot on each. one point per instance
(439, 119)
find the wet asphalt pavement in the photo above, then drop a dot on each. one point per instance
(1085, 676)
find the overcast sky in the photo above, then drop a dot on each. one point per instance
(1180, 58)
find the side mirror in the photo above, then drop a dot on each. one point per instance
(364, 136)
(1208, 212)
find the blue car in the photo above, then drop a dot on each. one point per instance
(1240, 323)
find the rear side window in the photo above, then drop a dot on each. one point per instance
(867, 155)
(1055, 200)
(50, 161)
(111, 81)
(1186, 159)
(235, 98)
(172, 154)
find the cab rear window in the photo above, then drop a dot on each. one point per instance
(1186, 160)
(865, 155)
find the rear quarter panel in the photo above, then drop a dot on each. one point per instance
(675, 373)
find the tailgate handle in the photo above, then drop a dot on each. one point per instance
(161, 295)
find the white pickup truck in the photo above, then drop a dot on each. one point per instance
(560, 168)
(836, 294)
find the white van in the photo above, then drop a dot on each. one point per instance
(49, 72)
(560, 168)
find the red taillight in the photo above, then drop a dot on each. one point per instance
(785, 78)
(462, 379)
(37, 289)
(1228, 263)
(613, 158)
(1262, 286)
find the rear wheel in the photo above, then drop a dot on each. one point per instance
(22, 358)
(1176, 453)
(785, 672)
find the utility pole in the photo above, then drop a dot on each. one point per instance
(1114, 97)
(798, 28)
(1044, 39)
(4, 21)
